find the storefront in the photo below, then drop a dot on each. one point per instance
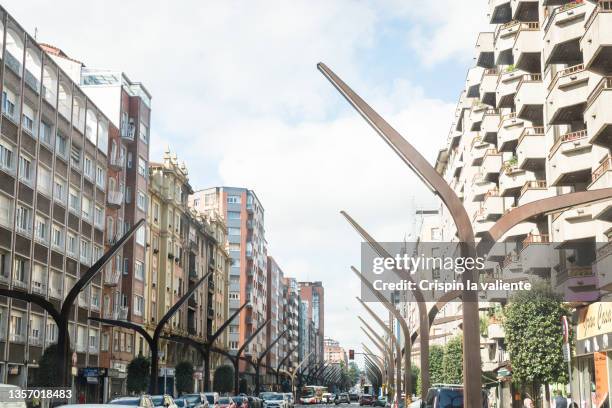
(593, 365)
(89, 384)
(115, 382)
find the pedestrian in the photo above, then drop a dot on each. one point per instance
(528, 402)
(82, 398)
(559, 401)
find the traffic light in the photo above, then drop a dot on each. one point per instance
(351, 354)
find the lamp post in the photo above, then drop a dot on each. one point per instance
(295, 371)
(261, 357)
(280, 364)
(236, 360)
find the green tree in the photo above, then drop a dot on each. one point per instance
(416, 380)
(452, 362)
(47, 368)
(184, 377)
(534, 337)
(138, 375)
(354, 372)
(223, 380)
(436, 356)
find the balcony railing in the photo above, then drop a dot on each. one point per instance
(17, 338)
(534, 185)
(536, 239)
(13, 63)
(601, 170)
(604, 83)
(114, 197)
(561, 9)
(603, 6)
(531, 131)
(563, 73)
(528, 78)
(604, 250)
(568, 137)
(19, 284)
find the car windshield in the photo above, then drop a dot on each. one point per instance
(451, 398)
(210, 399)
(126, 401)
(275, 397)
(158, 400)
(191, 398)
(224, 400)
(180, 402)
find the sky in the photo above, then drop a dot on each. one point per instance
(238, 98)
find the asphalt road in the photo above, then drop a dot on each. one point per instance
(353, 405)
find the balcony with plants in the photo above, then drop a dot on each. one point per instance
(512, 178)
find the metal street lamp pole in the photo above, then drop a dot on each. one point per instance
(295, 371)
(260, 359)
(239, 353)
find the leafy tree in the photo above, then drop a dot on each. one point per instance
(184, 377)
(47, 368)
(534, 337)
(138, 375)
(452, 362)
(436, 356)
(223, 380)
(354, 373)
(416, 380)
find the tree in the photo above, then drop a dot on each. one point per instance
(354, 373)
(138, 375)
(48, 369)
(452, 362)
(184, 377)
(415, 372)
(534, 337)
(436, 355)
(223, 380)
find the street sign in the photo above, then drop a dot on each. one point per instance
(566, 352)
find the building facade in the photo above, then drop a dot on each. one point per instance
(313, 296)
(334, 353)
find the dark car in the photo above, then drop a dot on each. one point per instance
(380, 402)
(254, 402)
(448, 396)
(342, 399)
(366, 399)
(354, 397)
(241, 401)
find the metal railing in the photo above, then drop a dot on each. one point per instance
(603, 6)
(604, 83)
(536, 239)
(602, 169)
(531, 131)
(533, 185)
(568, 137)
(565, 72)
(559, 10)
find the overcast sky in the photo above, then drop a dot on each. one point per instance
(236, 94)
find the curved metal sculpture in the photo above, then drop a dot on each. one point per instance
(260, 358)
(280, 364)
(236, 360)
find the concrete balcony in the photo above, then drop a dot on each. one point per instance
(472, 82)
(114, 198)
(485, 50)
(480, 187)
(476, 115)
(488, 87)
(534, 191)
(493, 205)
(562, 32)
(507, 87)
(527, 48)
(496, 331)
(531, 149)
(491, 162)
(490, 125)
(602, 178)
(602, 267)
(482, 227)
(537, 254)
(567, 96)
(500, 11)
(525, 10)
(598, 115)
(512, 179)
(478, 150)
(578, 283)
(596, 43)
(529, 98)
(519, 231)
(505, 37)
(570, 160)
(572, 226)
(510, 130)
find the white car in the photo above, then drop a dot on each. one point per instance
(274, 400)
(7, 400)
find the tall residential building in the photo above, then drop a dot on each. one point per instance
(53, 160)
(313, 294)
(274, 310)
(334, 353)
(532, 122)
(127, 104)
(244, 216)
(290, 318)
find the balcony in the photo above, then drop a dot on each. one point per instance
(484, 50)
(111, 277)
(567, 96)
(491, 162)
(490, 125)
(55, 292)
(480, 187)
(519, 231)
(531, 149)
(534, 191)
(529, 98)
(562, 32)
(573, 226)
(578, 283)
(598, 115)
(488, 86)
(116, 162)
(476, 115)
(570, 160)
(114, 198)
(506, 87)
(500, 11)
(478, 151)
(505, 37)
(537, 255)
(602, 267)
(39, 286)
(602, 178)
(493, 205)
(118, 313)
(527, 47)
(512, 179)
(525, 10)
(472, 83)
(482, 227)
(596, 43)
(510, 129)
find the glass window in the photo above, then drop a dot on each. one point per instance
(138, 305)
(233, 199)
(44, 180)
(140, 236)
(233, 231)
(139, 270)
(99, 216)
(141, 201)
(75, 156)
(142, 167)
(88, 168)
(6, 156)
(6, 206)
(61, 144)
(86, 208)
(74, 202)
(144, 133)
(100, 177)
(26, 172)
(45, 133)
(233, 215)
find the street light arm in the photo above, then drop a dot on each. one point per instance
(33, 298)
(126, 325)
(267, 350)
(285, 358)
(225, 324)
(251, 337)
(378, 320)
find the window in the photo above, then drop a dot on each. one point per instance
(140, 236)
(41, 230)
(85, 255)
(95, 298)
(233, 231)
(436, 234)
(8, 103)
(73, 241)
(25, 169)
(75, 156)
(6, 216)
(61, 144)
(45, 133)
(116, 341)
(234, 246)
(104, 342)
(128, 194)
(20, 271)
(57, 236)
(129, 160)
(86, 208)
(155, 213)
(6, 156)
(24, 218)
(100, 177)
(44, 180)
(138, 305)
(233, 345)
(16, 325)
(144, 133)
(142, 167)
(126, 266)
(74, 201)
(51, 334)
(233, 215)
(139, 270)
(97, 253)
(27, 119)
(88, 168)
(233, 199)
(59, 189)
(141, 201)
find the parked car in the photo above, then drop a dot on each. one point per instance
(5, 397)
(380, 402)
(143, 401)
(444, 397)
(163, 401)
(254, 402)
(226, 402)
(366, 399)
(274, 400)
(354, 397)
(213, 399)
(197, 400)
(241, 401)
(342, 398)
(326, 398)
(290, 399)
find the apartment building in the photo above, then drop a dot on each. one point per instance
(53, 160)
(244, 216)
(313, 296)
(533, 121)
(291, 304)
(274, 310)
(334, 353)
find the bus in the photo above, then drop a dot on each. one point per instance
(312, 394)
